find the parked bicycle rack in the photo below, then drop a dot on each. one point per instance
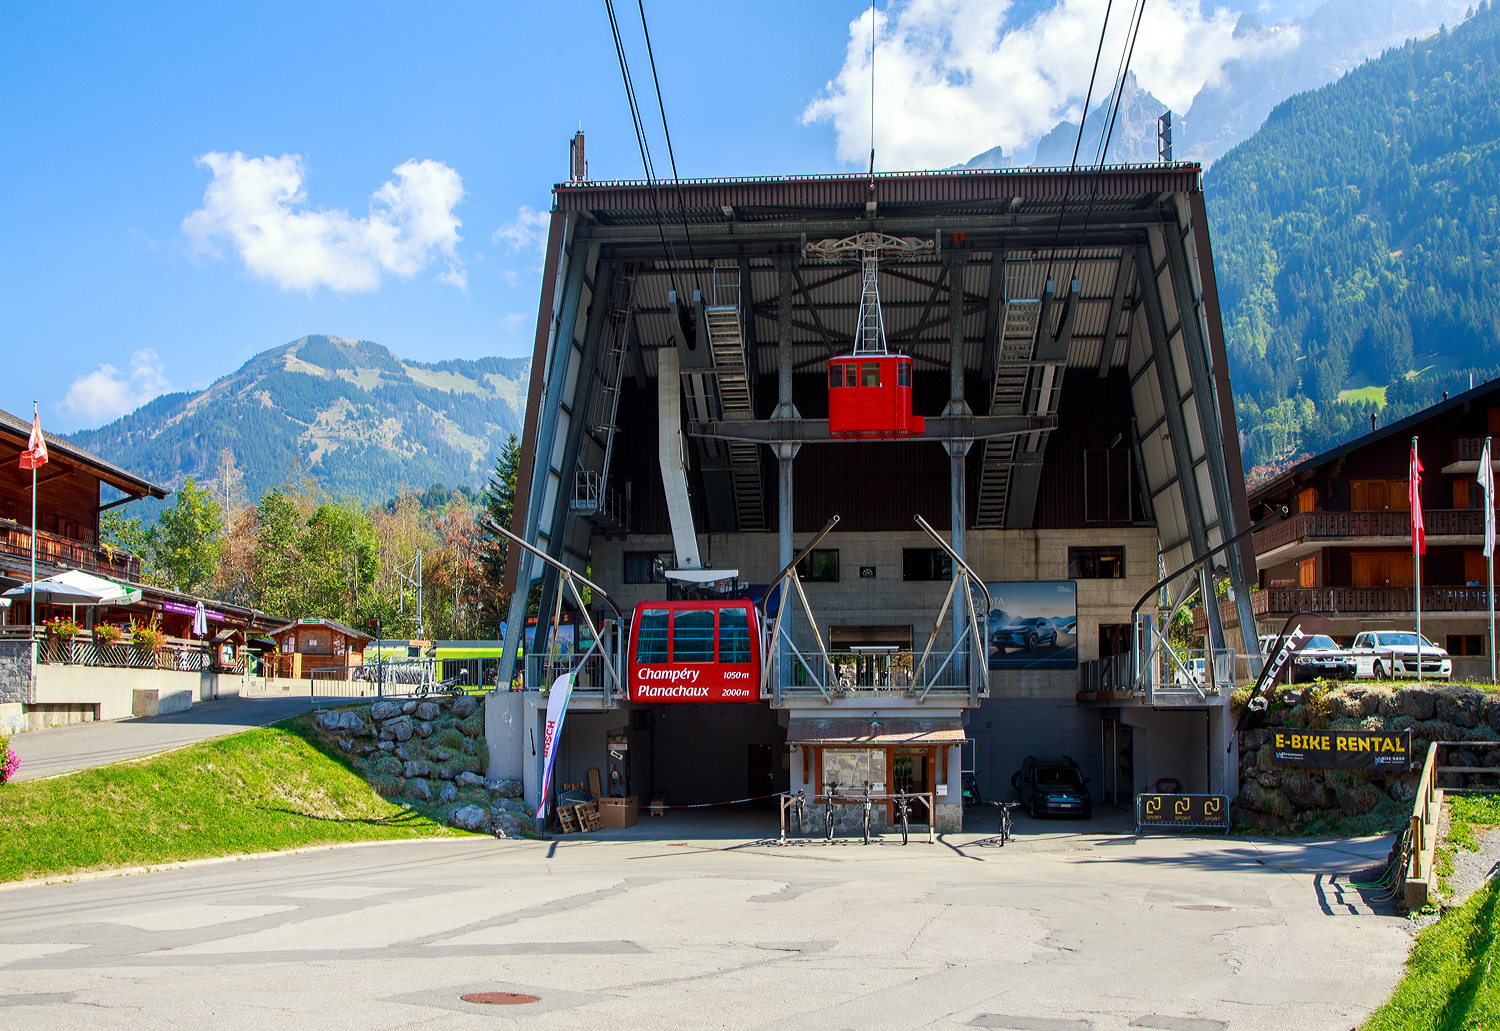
(798, 804)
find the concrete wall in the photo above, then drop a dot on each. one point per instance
(1005, 731)
(504, 714)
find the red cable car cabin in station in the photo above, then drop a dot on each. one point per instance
(869, 397)
(695, 651)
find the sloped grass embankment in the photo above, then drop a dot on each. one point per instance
(261, 790)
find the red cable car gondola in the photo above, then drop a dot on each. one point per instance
(869, 397)
(695, 651)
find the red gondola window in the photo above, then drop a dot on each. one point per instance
(903, 374)
(870, 374)
(693, 635)
(651, 638)
(835, 376)
(734, 635)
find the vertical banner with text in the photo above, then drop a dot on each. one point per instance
(557, 709)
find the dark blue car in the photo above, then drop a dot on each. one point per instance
(1030, 634)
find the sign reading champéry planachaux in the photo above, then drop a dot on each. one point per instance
(1343, 749)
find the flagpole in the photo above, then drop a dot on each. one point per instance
(1488, 473)
(32, 592)
(1415, 486)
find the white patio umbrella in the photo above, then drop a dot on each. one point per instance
(200, 621)
(75, 587)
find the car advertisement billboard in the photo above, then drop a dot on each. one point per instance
(1033, 625)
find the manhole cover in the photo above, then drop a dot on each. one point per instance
(1206, 909)
(499, 998)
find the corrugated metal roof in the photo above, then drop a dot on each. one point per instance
(1109, 188)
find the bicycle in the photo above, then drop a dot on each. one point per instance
(453, 687)
(903, 814)
(1006, 827)
(867, 814)
(799, 806)
(829, 819)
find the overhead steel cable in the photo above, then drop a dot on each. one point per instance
(1117, 97)
(1077, 143)
(641, 142)
(671, 157)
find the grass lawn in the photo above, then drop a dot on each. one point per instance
(257, 791)
(1376, 394)
(1451, 983)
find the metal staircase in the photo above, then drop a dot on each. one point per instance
(593, 498)
(1018, 330)
(726, 341)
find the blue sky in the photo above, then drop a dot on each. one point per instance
(107, 111)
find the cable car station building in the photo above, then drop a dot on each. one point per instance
(1032, 362)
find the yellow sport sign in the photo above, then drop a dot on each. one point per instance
(1181, 812)
(1383, 750)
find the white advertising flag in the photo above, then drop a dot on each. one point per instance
(557, 708)
(1487, 484)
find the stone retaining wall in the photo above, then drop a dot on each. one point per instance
(1336, 801)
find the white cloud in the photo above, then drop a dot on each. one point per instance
(955, 77)
(513, 321)
(527, 232)
(260, 207)
(107, 393)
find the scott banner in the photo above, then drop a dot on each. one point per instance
(1383, 750)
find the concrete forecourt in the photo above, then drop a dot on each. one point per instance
(691, 923)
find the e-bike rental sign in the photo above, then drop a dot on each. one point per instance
(1382, 750)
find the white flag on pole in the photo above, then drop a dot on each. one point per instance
(1487, 484)
(557, 708)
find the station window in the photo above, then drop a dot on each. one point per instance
(734, 635)
(869, 374)
(820, 567)
(926, 564)
(1465, 644)
(693, 635)
(835, 376)
(648, 567)
(651, 639)
(1096, 563)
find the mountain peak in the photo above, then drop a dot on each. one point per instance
(349, 412)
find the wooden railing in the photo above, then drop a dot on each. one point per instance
(1336, 600)
(1465, 449)
(55, 550)
(1440, 522)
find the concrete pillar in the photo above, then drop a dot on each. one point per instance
(785, 409)
(957, 450)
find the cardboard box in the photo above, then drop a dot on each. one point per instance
(618, 813)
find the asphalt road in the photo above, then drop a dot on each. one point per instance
(80, 746)
(1070, 928)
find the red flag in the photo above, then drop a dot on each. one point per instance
(35, 455)
(1414, 497)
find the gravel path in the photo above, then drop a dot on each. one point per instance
(1472, 869)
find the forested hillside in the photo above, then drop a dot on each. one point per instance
(1355, 240)
(348, 413)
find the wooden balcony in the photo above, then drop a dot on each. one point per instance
(1305, 532)
(1464, 454)
(53, 550)
(1283, 601)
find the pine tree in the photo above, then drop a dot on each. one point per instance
(499, 504)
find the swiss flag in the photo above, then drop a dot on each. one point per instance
(35, 455)
(1414, 497)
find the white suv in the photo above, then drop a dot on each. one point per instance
(1387, 654)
